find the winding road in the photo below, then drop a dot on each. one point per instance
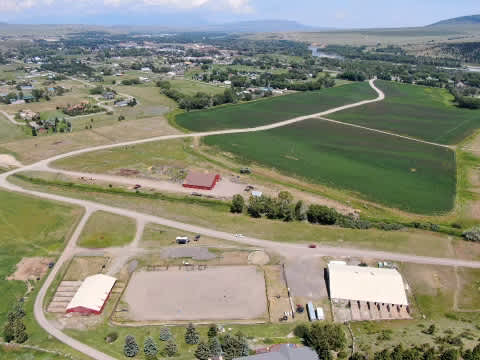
(285, 249)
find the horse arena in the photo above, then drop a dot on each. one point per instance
(197, 293)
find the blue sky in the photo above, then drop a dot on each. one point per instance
(319, 13)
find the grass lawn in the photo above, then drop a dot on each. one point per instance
(30, 227)
(191, 87)
(106, 230)
(411, 241)
(418, 111)
(385, 169)
(95, 337)
(275, 109)
(17, 353)
(11, 132)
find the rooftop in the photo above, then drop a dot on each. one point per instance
(93, 292)
(368, 284)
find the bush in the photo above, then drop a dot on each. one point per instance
(237, 205)
(472, 234)
(111, 337)
(202, 352)
(319, 214)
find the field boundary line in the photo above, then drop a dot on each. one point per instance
(384, 132)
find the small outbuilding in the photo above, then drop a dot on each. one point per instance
(92, 295)
(202, 181)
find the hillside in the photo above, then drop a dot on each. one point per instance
(463, 20)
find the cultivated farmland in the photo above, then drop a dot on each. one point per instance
(418, 111)
(392, 171)
(274, 109)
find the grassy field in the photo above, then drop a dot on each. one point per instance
(11, 132)
(388, 170)
(191, 87)
(17, 353)
(275, 109)
(106, 230)
(418, 111)
(49, 225)
(411, 241)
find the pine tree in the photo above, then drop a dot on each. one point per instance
(165, 334)
(171, 348)
(212, 331)
(131, 348)
(215, 346)
(8, 332)
(191, 335)
(19, 331)
(202, 352)
(150, 348)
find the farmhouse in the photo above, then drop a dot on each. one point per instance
(369, 293)
(202, 181)
(92, 295)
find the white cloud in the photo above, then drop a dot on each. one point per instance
(65, 6)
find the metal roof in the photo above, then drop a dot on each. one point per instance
(368, 284)
(93, 292)
(285, 352)
(200, 179)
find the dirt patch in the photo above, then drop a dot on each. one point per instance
(127, 172)
(196, 253)
(31, 269)
(9, 161)
(305, 278)
(258, 258)
(81, 267)
(216, 293)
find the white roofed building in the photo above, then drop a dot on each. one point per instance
(92, 295)
(368, 284)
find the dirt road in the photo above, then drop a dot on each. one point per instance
(288, 250)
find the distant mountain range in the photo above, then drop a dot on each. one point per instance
(260, 26)
(463, 20)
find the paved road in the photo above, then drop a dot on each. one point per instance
(285, 249)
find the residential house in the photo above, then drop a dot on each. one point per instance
(109, 95)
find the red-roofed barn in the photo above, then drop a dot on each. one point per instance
(198, 180)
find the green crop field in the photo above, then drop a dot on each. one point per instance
(392, 171)
(418, 111)
(274, 109)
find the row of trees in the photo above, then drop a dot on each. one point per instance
(198, 101)
(283, 207)
(229, 346)
(14, 329)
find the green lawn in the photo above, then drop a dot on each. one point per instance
(16, 353)
(392, 171)
(28, 227)
(275, 109)
(105, 230)
(191, 87)
(418, 111)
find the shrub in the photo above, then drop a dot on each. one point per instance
(237, 204)
(202, 352)
(319, 214)
(111, 337)
(472, 234)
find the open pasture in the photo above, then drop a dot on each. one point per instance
(275, 109)
(396, 172)
(216, 293)
(418, 111)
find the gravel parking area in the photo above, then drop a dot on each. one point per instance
(217, 293)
